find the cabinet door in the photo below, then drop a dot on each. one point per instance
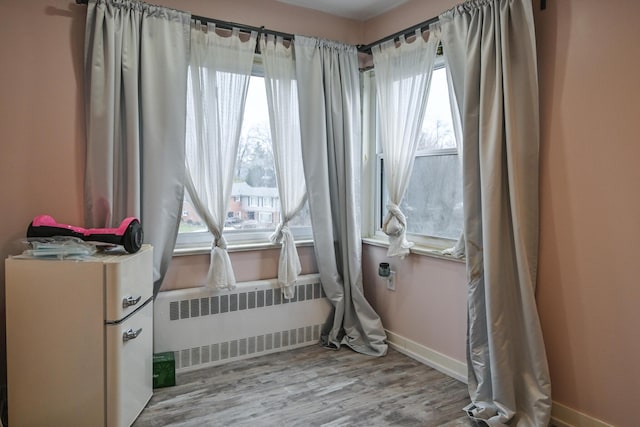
(129, 367)
(55, 343)
(130, 278)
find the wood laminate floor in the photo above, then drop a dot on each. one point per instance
(311, 386)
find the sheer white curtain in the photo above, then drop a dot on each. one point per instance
(329, 96)
(282, 97)
(403, 76)
(220, 69)
(136, 59)
(491, 53)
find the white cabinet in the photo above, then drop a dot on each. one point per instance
(79, 340)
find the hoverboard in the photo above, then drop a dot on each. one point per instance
(129, 234)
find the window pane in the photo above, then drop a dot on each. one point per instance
(190, 221)
(254, 204)
(433, 202)
(437, 128)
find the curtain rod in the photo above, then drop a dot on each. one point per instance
(288, 36)
(230, 25)
(407, 31)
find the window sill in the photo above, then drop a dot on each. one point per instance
(196, 249)
(417, 249)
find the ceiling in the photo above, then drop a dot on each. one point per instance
(360, 10)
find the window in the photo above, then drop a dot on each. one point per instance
(433, 201)
(266, 218)
(253, 211)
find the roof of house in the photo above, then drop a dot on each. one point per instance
(244, 189)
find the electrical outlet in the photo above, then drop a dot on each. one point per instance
(391, 281)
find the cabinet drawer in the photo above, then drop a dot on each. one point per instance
(129, 283)
(129, 367)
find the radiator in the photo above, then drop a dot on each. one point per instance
(206, 327)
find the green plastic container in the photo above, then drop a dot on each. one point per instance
(164, 370)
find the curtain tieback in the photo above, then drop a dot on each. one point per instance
(219, 242)
(395, 223)
(281, 229)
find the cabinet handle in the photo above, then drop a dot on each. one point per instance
(131, 334)
(129, 301)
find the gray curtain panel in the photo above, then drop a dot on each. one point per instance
(329, 97)
(136, 58)
(491, 55)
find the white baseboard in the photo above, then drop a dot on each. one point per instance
(438, 361)
(561, 415)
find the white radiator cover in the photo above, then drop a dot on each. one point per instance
(206, 327)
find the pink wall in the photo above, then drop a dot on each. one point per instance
(590, 219)
(41, 136)
(406, 15)
(41, 114)
(429, 303)
(588, 287)
(274, 15)
(191, 271)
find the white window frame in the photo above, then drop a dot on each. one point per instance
(240, 239)
(372, 190)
